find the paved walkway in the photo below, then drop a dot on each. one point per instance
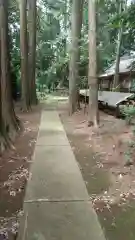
(57, 205)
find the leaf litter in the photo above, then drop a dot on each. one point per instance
(14, 173)
(108, 144)
(17, 175)
(9, 225)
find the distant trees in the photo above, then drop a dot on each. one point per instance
(54, 62)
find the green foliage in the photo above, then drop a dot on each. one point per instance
(53, 38)
(14, 41)
(51, 58)
(132, 89)
(129, 113)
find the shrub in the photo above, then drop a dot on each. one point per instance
(129, 113)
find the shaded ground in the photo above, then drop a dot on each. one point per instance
(14, 173)
(101, 157)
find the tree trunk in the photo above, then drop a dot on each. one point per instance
(66, 3)
(116, 83)
(8, 121)
(76, 23)
(32, 49)
(24, 56)
(92, 75)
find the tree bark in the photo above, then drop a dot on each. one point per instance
(92, 74)
(9, 124)
(24, 56)
(116, 82)
(32, 14)
(76, 23)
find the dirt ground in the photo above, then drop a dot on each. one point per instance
(101, 155)
(107, 146)
(14, 173)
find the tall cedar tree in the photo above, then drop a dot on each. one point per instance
(9, 124)
(25, 83)
(121, 6)
(76, 24)
(32, 14)
(92, 73)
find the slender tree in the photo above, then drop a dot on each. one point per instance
(76, 23)
(32, 13)
(24, 56)
(9, 124)
(118, 49)
(92, 73)
(121, 7)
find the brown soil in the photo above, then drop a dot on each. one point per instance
(14, 173)
(101, 155)
(101, 158)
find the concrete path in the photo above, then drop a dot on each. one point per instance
(57, 205)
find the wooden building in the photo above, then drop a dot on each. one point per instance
(126, 75)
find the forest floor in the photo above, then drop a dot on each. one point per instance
(101, 158)
(14, 173)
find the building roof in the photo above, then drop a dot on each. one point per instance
(113, 99)
(126, 65)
